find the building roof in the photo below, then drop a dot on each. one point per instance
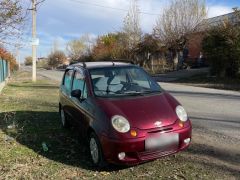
(214, 21)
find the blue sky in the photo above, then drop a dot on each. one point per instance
(62, 20)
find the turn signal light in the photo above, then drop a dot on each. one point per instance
(133, 133)
(181, 124)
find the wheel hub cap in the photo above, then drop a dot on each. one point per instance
(94, 150)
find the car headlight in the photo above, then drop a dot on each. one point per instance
(120, 123)
(181, 113)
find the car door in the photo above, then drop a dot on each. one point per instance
(80, 109)
(65, 91)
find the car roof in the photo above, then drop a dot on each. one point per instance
(100, 64)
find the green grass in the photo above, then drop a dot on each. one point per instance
(204, 80)
(32, 111)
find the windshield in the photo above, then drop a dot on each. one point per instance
(122, 81)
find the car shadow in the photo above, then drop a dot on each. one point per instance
(31, 129)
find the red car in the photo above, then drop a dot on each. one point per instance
(124, 114)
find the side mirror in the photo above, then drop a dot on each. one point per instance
(76, 93)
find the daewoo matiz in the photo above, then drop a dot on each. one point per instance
(126, 117)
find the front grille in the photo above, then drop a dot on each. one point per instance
(148, 155)
(160, 130)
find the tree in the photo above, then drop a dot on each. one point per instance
(12, 17)
(146, 47)
(110, 46)
(56, 58)
(181, 19)
(78, 48)
(131, 28)
(221, 46)
(28, 61)
(4, 54)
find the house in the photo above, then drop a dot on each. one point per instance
(195, 41)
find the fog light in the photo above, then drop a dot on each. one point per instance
(187, 141)
(121, 155)
(133, 133)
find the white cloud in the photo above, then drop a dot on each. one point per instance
(217, 10)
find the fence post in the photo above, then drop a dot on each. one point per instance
(9, 70)
(1, 71)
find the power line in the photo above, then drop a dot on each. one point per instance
(109, 7)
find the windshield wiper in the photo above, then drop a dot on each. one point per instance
(150, 91)
(106, 91)
(133, 93)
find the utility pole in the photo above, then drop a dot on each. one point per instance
(18, 58)
(34, 45)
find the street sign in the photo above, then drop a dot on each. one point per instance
(35, 42)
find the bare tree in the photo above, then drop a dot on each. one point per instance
(131, 27)
(78, 48)
(12, 15)
(178, 21)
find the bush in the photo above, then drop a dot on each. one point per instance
(56, 58)
(28, 61)
(4, 54)
(222, 49)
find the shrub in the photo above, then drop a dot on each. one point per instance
(221, 46)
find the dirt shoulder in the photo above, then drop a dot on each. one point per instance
(29, 117)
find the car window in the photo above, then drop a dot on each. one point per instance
(68, 79)
(122, 81)
(79, 83)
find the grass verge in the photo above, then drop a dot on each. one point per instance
(29, 117)
(204, 80)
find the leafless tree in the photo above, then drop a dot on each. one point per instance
(12, 15)
(131, 26)
(178, 21)
(79, 47)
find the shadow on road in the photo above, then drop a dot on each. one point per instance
(218, 153)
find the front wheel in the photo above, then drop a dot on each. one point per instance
(96, 151)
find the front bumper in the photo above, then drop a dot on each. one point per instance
(135, 148)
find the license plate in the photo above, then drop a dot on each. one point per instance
(164, 142)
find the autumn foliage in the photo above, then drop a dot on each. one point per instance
(7, 56)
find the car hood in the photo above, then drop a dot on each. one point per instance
(142, 112)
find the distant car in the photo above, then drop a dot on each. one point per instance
(126, 117)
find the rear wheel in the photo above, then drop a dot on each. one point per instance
(64, 120)
(95, 150)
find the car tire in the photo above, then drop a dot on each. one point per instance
(63, 118)
(95, 151)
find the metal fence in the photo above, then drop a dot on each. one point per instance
(4, 71)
